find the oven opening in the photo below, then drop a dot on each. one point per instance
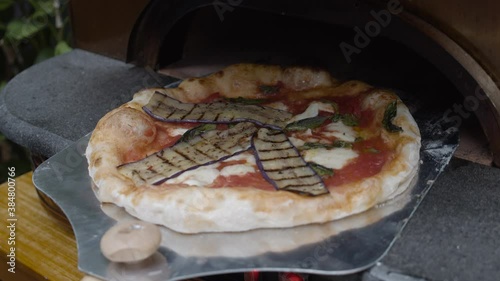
(203, 42)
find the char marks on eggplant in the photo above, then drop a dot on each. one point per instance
(282, 165)
(204, 149)
(165, 108)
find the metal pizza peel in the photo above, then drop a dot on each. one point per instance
(341, 247)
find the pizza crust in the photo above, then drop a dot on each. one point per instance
(128, 129)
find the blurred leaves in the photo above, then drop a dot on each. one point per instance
(19, 29)
(5, 4)
(43, 54)
(24, 27)
(45, 7)
(31, 31)
(61, 48)
(34, 30)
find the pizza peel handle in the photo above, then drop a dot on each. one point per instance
(130, 241)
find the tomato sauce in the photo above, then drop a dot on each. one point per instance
(296, 106)
(349, 105)
(213, 97)
(367, 117)
(164, 139)
(373, 154)
(226, 163)
(253, 180)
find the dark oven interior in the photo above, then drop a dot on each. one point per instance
(346, 38)
(404, 43)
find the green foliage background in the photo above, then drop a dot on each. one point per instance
(31, 31)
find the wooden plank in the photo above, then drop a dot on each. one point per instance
(45, 244)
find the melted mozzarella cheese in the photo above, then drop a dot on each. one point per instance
(296, 141)
(200, 176)
(313, 110)
(340, 131)
(205, 175)
(240, 169)
(236, 170)
(178, 131)
(278, 105)
(335, 158)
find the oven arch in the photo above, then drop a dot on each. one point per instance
(162, 18)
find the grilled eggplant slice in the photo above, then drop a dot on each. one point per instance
(203, 149)
(282, 165)
(168, 109)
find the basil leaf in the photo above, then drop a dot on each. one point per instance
(336, 118)
(243, 100)
(321, 170)
(334, 105)
(371, 150)
(350, 120)
(335, 144)
(313, 145)
(196, 131)
(389, 114)
(269, 89)
(342, 144)
(304, 124)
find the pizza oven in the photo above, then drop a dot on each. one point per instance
(440, 54)
(406, 45)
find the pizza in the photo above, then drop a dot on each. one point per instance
(254, 146)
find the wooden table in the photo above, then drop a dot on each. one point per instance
(45, 244)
